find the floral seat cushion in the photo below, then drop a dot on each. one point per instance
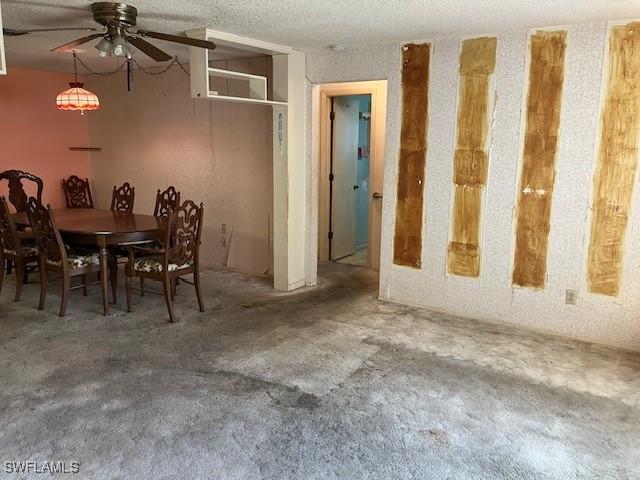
(153, 263)
(80, 258)
(27, 251)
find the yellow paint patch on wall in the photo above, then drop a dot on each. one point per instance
(407, 243)
(615, 173)
(464, 255)
(546, 77)
(470, 161)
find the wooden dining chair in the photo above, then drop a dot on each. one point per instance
(122, 198)
(121, 201)
(179, 256)
(55, 257)
(167, 201)
(15, 247)
(17, 195)
(77, 192)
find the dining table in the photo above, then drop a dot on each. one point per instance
(102, 229)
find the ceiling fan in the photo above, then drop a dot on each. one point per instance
(117, 41)
(12, 32)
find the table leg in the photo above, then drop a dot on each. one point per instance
(104, 267)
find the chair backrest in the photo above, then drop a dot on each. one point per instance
(17, 195)
(184, 228)
(122, 198)
(9, 240)
(77, 192)
(166, 202)
(47, 236)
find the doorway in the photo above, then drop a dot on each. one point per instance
(352, 128)
(349, 179)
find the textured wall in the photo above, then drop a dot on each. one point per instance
(35, 136)
(218, 153)
(491, 296)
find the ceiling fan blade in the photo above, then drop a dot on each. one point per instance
(69, 47)
(193, 42)
(148, 49)
(12, 32)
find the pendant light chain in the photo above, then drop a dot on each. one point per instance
(75, 67)
(123, 64)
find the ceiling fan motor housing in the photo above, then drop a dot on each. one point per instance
(118, 15)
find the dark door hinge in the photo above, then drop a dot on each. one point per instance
(332, 116)
(330, 235)
(331, 177)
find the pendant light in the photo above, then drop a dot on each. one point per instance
(76, 97)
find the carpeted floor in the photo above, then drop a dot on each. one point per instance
(324, 383)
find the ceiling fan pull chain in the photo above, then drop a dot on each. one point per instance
(128, 74)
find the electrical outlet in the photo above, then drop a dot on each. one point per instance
(224, 228)
(571, 297)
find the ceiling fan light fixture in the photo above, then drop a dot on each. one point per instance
(128, 50)
(104, 47)
(120, 48)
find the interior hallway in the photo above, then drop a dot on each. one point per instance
(321, 383)
(359, 258)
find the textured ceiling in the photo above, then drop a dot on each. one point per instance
(303, 24)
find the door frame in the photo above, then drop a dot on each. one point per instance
(378, 91)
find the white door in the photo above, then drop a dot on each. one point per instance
(344, 168)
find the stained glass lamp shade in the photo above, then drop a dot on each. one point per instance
(76, 97)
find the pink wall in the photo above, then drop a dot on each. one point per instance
(35, 136)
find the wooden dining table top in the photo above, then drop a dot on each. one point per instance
(90, 221)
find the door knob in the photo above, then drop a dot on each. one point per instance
(377, 195)
(356, 187)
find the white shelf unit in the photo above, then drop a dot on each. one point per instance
(3, 62)
(241, 47)
(257, 83)
(257, 87)
(228, 98)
